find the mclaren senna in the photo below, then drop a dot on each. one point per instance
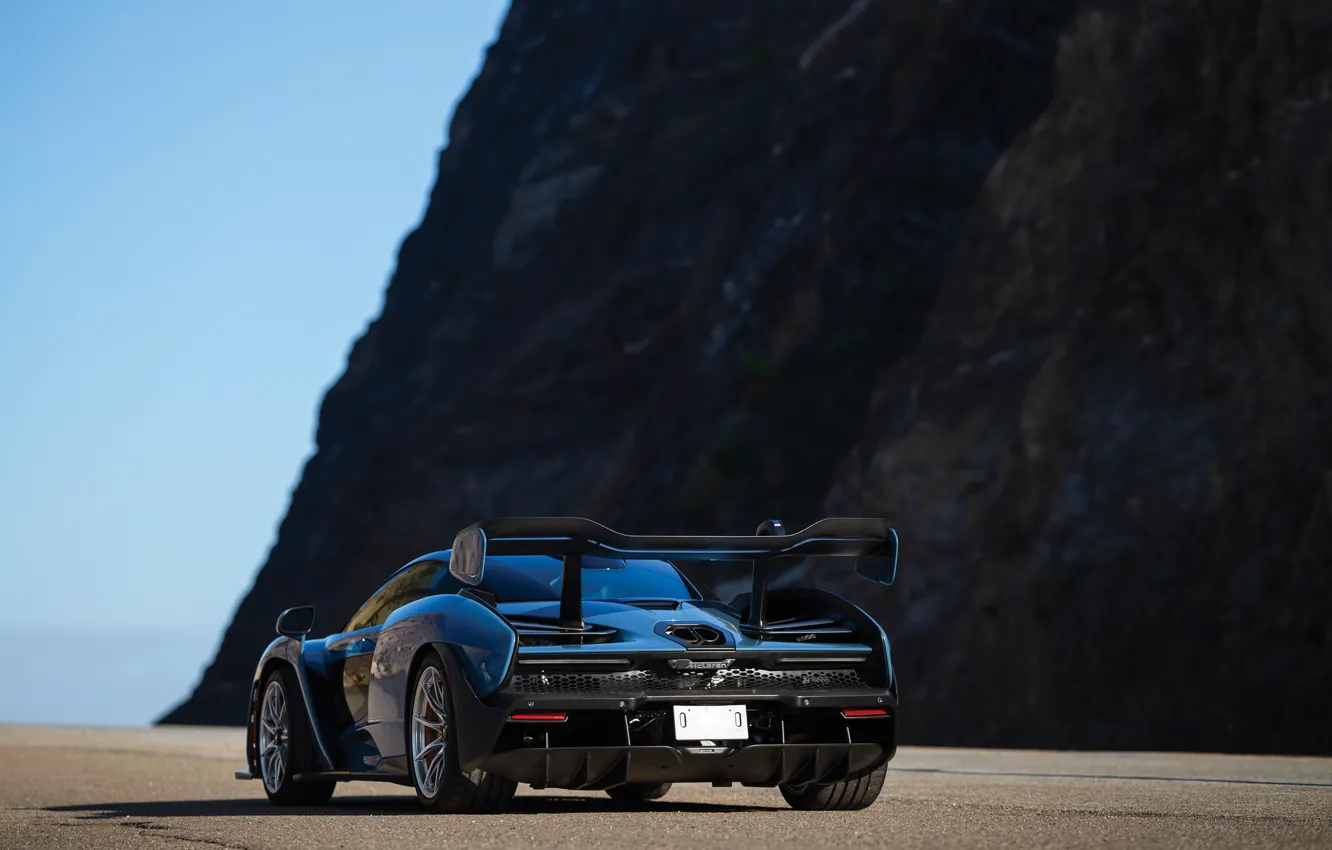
(558, 653)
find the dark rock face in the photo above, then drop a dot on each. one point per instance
(1112, 452)
(1059, 309)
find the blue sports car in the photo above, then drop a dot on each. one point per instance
(559, 653)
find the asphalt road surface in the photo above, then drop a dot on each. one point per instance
(172, 788)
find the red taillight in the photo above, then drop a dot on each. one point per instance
(540, 717)
(864, 712)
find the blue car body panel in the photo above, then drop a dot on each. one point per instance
(481, 641)
(638, 630)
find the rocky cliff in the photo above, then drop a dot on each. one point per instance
(1048, 283)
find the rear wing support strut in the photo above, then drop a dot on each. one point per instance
(758, 596)
(571, 591)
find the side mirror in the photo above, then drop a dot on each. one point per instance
(296, 622)
(881, 568)
(467, 563)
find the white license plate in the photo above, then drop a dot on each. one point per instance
(710, 722)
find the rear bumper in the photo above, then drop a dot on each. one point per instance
(753, 764)
(803, 739)
(794, 738)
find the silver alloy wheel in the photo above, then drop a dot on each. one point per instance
(430, 727)
(274, 736)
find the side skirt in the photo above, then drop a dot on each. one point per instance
(347, 776)
(337, 776)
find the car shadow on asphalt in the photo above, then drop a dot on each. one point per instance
(378, 806)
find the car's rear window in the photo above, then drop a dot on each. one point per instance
(535, 578)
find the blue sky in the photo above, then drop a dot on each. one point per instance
(200, 206)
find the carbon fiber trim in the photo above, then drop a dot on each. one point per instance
(648, 681)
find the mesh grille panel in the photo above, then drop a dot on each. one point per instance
(640, 681)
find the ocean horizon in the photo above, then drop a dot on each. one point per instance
(102, 676)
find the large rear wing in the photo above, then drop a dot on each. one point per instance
(871, 541)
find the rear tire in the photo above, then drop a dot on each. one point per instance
(285, 743)
(432, 750)
(638, 792)
(847, 795)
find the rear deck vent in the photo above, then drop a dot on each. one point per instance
(533, 631)
(799, 629)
